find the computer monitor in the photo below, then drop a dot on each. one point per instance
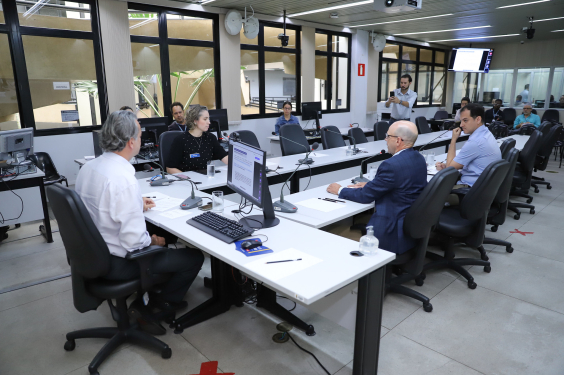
(456, 107)
(489, 96)
(16, 144)
(312, 111)
(246, 175)
(218, 122)
(152, 128)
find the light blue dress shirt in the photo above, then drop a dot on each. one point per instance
(282, 121)
(478, 152)
(533, 119)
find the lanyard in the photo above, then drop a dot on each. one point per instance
(182, 130)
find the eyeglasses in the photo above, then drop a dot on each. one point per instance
(388, 136)
(527, 108)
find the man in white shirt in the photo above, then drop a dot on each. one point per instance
(110, 192)
(402, 101)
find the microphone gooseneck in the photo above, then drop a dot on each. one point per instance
(355, 149)
(426, 144)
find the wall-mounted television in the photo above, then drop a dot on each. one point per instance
(471, 60)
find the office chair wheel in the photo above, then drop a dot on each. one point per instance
(427, 307)
(70, 345)
(529, 200)
(166, 353)
(536, 191)
(548, 187)
(509, 249)
(532, 211)
(418, 281)
(494, 228)
(472, 284)
(517, 216)
(487, 269)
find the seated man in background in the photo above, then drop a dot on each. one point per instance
(463, 103)
(110, 192)
(179, 123)
(527, 117)
(495, 113)
(397, 184)
(478, 152)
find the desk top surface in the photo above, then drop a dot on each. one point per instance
(344, 131)
(38, 173)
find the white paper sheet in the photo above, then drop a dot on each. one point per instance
(321, 205)
(175, 214)
(167, 204)
(277, 271)
(156, 196)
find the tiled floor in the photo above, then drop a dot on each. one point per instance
(512, 323)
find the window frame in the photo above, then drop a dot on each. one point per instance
(329, 54)
(23, 93)
(400, 61)
(164, 42)
(261, 49)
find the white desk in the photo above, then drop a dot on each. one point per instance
(520, 140)
(343, 130)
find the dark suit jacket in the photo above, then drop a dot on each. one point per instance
(175, 127)
(397, 184)
(489, 115)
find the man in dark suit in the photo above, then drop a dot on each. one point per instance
(398, 182)
(495, 113)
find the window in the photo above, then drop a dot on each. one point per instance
(54, 82)
(269, 72)
(531, 86)
(557, 90)
(497, 85)
(174, 59)
(332, 70)
(426, 66)
(465, 84)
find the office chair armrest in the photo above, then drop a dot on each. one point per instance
(146, 251)
(144, 257)
(461, 191)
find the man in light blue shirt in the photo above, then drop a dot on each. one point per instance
(402, 101)
(527, 117)
(478, 152)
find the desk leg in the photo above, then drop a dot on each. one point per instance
(368, 322)
(266, 299)
(225, 294)
(295, 184)
(46, 228)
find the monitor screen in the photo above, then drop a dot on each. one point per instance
(219, 115)
(472, 60)
(16, 140)
(310, 110)
(246, 170)
(152, 128)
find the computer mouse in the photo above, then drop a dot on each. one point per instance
(251, 244)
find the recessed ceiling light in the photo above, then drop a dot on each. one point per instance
(549, 19)
(332, 8)
(556, 31)
(475, 37)
(412, 19)
(518, 5)
(440, 31)
(206, 1)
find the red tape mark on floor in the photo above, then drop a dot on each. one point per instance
(521, 233)
(210, 368)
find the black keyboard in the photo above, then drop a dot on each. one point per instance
(220, 227)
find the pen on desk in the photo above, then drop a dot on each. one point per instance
(282, 261)
(332, 200)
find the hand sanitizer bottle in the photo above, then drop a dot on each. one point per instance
(368, 244)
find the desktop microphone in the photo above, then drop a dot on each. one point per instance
(361, 178)
(160, 182)
(307, 159)
(190, 202)
(355, 149)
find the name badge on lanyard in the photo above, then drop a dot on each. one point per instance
(192, 156)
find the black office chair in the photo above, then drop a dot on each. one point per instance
(499, 129)
(422, 125)
(544, 127)
(523, 174)
(89, 259)
(534, 111)
(44, 162)
(541, 161)
(527, 129)
(506, 146)
(498, 209)
(247, 137)
(296, 134)
(509, 116)
(417, 224)
(440, 115)
(467, 224)
(331, 140)
(358, 135)
(165, 146)
(380, 130)
(551, 115)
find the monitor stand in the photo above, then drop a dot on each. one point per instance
(317, 125)
(267, 219)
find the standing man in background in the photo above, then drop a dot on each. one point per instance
(179, 123)
(525, 94)
(402, 101)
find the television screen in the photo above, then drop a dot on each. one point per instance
(472, 60)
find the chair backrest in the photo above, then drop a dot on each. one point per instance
(440, 115)
(547, 144)
(165, 146)
(44, 162)
(505, 187)
(380, 130)
(509, 116)
(499, 129)
(358, 135)
(528, 154)
(481, 195)
(295, 133)
(331, 140)
(527, 129)
(424, 214)
(248, 137)
(544, 128)
(534, 111)
(507, 145)
(422, 125)
(551, 115)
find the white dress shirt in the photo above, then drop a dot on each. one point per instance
(399, 111)
(110, 192)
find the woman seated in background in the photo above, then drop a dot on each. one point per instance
(196, 147)
(286, 118)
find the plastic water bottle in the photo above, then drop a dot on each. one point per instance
(368, 244)
(349, 151)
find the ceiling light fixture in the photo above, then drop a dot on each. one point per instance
(518, 5)
(556, 31)
(475, 37)
(412, 19)
(332, 8)
(440, 31)
(549, 19)
(205, 2)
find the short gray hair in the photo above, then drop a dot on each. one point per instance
(405, 133)
(528, 103)
(118, 129)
